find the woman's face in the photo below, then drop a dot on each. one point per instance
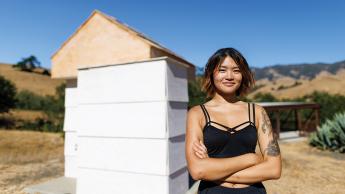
(227, 78)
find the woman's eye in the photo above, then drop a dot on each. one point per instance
(222, 70)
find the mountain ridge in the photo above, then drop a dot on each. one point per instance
(296, 71)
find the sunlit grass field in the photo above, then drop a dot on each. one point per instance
(28, 157)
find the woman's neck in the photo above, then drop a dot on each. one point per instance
(224, 99)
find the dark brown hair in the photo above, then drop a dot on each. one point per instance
(213, 64)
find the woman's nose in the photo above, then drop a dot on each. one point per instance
(229, 74)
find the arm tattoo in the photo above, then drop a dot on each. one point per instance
(273, 148)
(266, 123)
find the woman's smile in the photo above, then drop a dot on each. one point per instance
(229, 84)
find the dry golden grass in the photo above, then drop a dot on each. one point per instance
(309, 170)
(27, 158)
(28, 115)
(16, 118)
(325, 82)
(34, 82)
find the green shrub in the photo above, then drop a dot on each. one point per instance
(52, 106)
(281, 87)
(40, 124)
(264, 97)
(7, 94)
(331, 135)
(7, 122)
(30, 101)
(196, 96)
(329, 104)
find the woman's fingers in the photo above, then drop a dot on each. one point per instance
(199, 155)
(203, 145)
(204, 149)
(199, 150)
(199, 147)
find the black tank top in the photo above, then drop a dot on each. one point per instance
(230, 141)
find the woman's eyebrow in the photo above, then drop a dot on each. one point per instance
(232, 67)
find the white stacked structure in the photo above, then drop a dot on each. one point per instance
(124, 123)
(125, 128)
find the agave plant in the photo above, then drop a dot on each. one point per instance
(331, 135)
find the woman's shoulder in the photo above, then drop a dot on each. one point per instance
(195, 110)
(255, 104)
(195, 115)
(257, 107)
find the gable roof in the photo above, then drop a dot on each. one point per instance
(128, 29)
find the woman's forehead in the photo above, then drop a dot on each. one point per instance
(228, 62)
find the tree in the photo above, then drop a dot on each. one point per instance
(7, 94)
(28, 64)
(196, 95)
(330, 104)
(264, 97)
(55, 109)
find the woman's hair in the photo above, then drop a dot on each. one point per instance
(213, 64)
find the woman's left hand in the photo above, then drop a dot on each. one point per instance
(200, 149)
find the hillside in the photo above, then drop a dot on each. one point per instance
(297, 71)
(34, 82)
(287, 87)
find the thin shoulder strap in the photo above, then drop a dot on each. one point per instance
(249, 115)
(207, 116)
(253, 113)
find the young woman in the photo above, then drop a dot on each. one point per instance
(222, 134)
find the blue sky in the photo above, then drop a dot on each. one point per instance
(266, 32)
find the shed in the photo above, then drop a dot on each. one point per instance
(103, 39)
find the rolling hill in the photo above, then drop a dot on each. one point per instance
(290, 81)
(34, 82)
(297, 71)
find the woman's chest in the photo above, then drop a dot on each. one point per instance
(223, 143)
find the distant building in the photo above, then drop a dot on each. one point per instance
(103, 40)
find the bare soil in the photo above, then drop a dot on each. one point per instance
(28, 158)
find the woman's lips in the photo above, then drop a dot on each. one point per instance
(229, 84)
